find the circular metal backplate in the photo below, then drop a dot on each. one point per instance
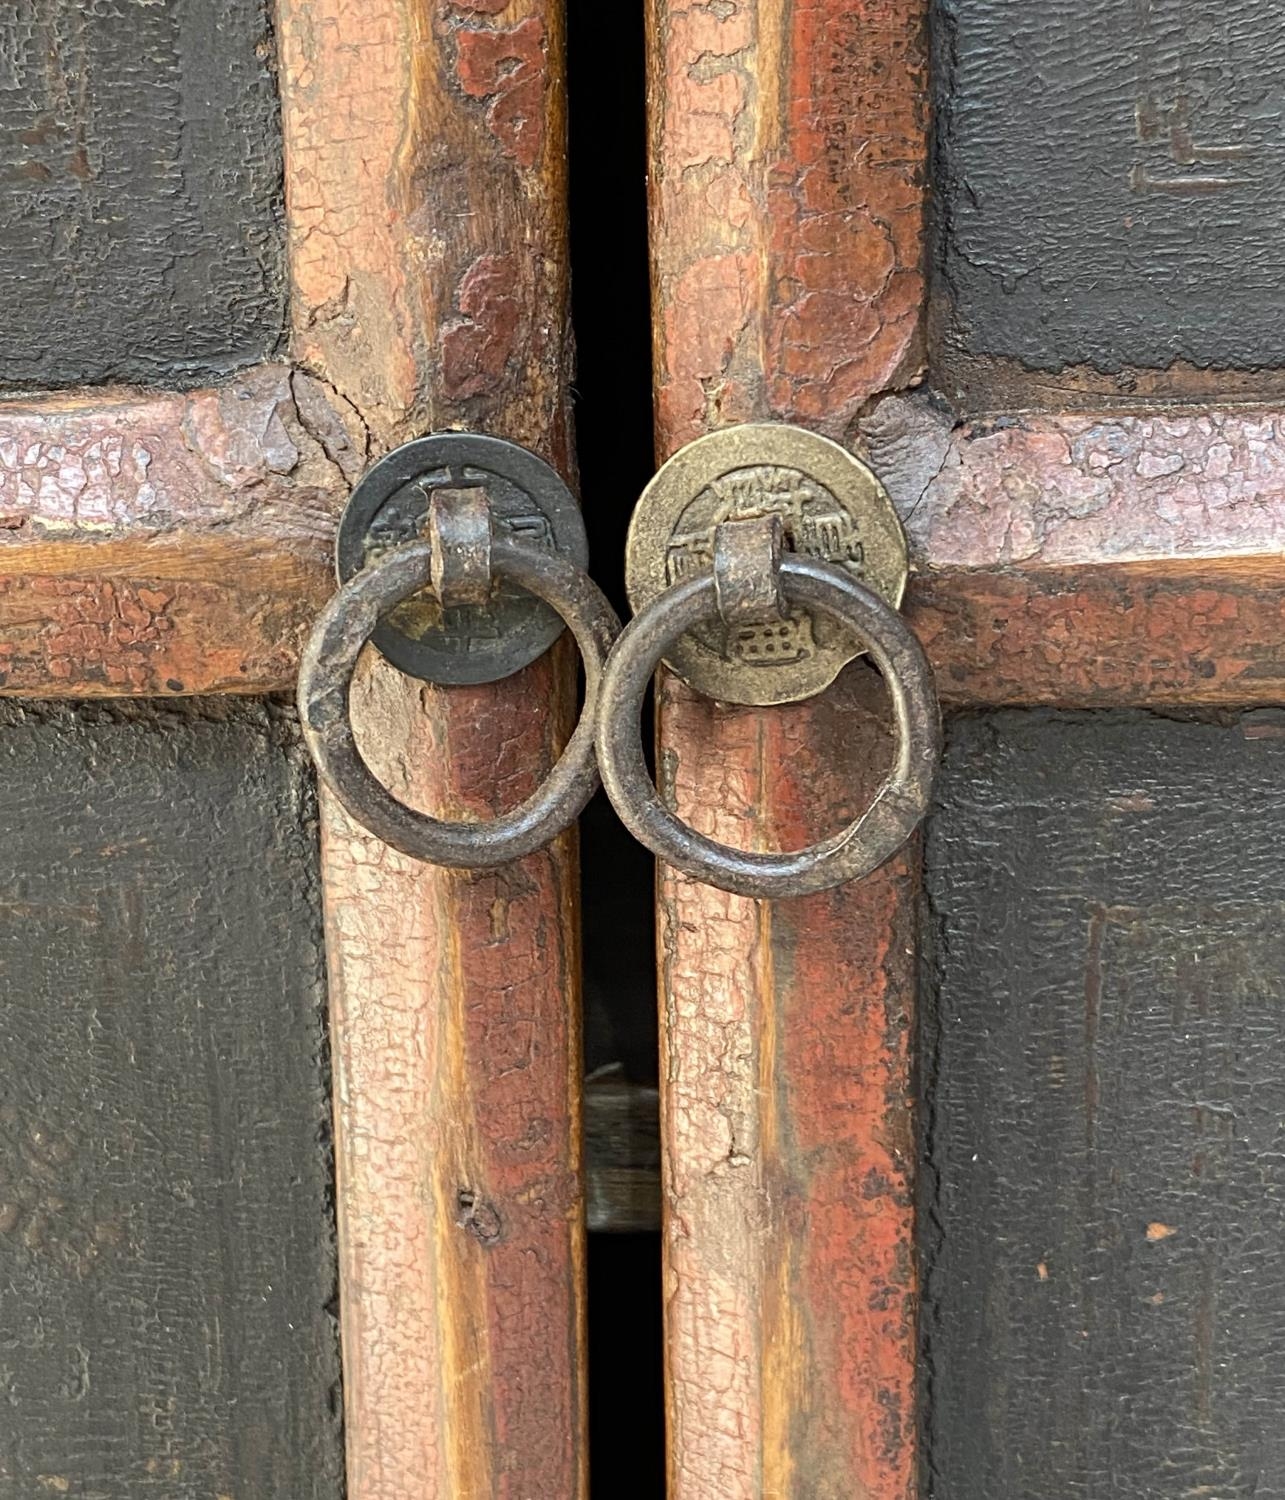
(831, 507)
(529, 502)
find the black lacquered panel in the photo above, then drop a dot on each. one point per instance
(167, 1276)
(1104, 1110)
(1111, 180)
(140, 167)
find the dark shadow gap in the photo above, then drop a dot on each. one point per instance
(613, 410)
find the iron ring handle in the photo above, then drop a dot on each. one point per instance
(857, 850)
(325, 681)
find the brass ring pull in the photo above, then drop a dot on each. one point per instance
(347, 623)
(857, 850)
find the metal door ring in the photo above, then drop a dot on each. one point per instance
(325, 681)
(857, 850)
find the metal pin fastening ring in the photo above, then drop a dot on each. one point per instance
(325, 681)
(857, 850)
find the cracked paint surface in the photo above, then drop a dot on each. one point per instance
(789, 157)
(788, 189)
(425, 149)
(1090, 559)
(175, 543)
(1098, 489)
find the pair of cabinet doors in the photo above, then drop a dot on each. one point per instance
(972, 1175)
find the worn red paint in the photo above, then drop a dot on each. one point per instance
(478, 343)
(845, 209)
(787, 218)
(845, 986)
(1198, 632)
(507, 67)
(799, 208)
(169, 543)
(426, 185)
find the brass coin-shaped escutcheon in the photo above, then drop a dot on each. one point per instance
(832, 508)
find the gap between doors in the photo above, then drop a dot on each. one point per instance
(611, 313)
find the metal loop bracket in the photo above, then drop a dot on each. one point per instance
(857, 850)
(351, 618)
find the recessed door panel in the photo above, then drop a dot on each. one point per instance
(166, 1247)
(140, 162)
(1104, 1090)
(1111, 181)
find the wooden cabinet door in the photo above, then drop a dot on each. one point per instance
(250, 248)
(970, 1169)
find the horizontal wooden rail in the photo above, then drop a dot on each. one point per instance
(180, 543)
(169, 543)
(1089, 560)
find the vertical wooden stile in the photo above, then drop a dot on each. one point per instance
(425, 163)
(788, 151)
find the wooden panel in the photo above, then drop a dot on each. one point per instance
(788, 161)
(622, 1156)
(1112, 178)
(1160, 635)
(156, 544)
(140, 154)
(159, 544)
(425, 151)
(1103, 1307)
(785, 1120)
(1091, 558)
(165, 1232)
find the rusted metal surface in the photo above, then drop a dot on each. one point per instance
(425, 162)
(873, 835)
(747, 571)
(325, 701)
(788, 164)
(831, 507)
(467, 642)
(459, 535)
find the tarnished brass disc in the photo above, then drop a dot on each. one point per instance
(831, 507)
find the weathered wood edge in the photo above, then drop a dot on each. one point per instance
(157, 543)
(153, 544)
(789, 163)
(426, 205)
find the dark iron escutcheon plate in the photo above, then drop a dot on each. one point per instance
(529, 502)
(832, 508)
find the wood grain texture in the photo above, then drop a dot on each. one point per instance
(786, 1119)
(622, 1156)
(140, 152)
(158, 544)
(1091, 559)
(166, 1240)
(788, 169)
(1103, 1305)
(425, 190)
(788, 149)
(425, 154)
(1109, 179)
